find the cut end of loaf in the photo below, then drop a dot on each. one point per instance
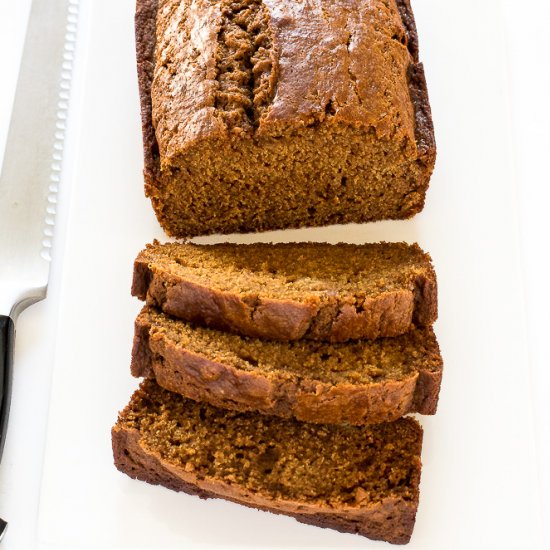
(331, 174)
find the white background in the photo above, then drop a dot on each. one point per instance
(528, 53)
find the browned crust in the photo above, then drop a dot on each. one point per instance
(197, 377)
(407, 16)
(418, 89)
(145, 32)
(264, 318)
(424, 130)
(425, 299)
(426, 392)
(391, 520)
(334, 319)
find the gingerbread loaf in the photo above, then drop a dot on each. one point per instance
(362, 382)
(258, 115)
(291, 291)
(360, 480)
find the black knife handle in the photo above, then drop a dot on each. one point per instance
(7, 340)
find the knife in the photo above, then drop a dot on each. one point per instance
(31, 173)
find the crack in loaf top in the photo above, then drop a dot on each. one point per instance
(262, 68)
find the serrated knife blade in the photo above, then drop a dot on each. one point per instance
(31, 173)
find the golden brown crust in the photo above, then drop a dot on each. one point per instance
(145, 23)
(188, 88)
(391, 519)
(198, 377)
(384, 316)
(273, 319)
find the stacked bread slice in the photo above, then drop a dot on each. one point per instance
(278, 375)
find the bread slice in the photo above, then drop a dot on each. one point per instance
(292, 291)
(357, 383)
(354, 479)
(243, 132)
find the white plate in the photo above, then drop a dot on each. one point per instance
(479, 479)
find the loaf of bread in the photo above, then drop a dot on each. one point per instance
(354, 479)
(291, 291)
(269, 114)
(356, 383)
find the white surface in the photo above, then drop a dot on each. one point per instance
(22, 463)
(529, 54)
(86, 503)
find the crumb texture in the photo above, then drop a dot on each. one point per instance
(292, 270)
(279, 460)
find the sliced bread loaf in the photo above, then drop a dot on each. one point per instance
(291, 291)
(361, 382)
(354, 479)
